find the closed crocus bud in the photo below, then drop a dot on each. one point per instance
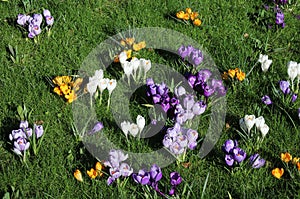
(264, 129)
(125, 126)
(256, 161)
(39, 131)
(140, 120)
(262, 58)
(78, 175)
(103, 84)
(146, 64)
(128, 68)
(292, 70)
(142, 177)
(46, 13)
(155, 173)
(134, 130)
(135, 62)
(266, 65)
(92, 87)
(259, 122)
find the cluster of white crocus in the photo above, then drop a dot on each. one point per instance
(249, 121)
(265, 62)
(98, 81)
(293, 70)
(134, 67)
(133, 128)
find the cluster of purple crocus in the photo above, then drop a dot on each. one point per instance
(193, 55)
(285, 88)
(235, 154)
(188, 108)
(160, 95)
(34, 22)
(21, 136)
(177, 139)
(202, 83)
(118, 168)
(153, 176)
(282, 2)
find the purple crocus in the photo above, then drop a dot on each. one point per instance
(36, 19)
(229, 145)
(284, 87)
(39, 131)
(155, 173)
(191, 80)
(294, 97)
(22, 19)
(49, 18)
(266, 100)
(20, 145)
(256, 161)
(185, 51)
(229, 159)
(98, 127)
(280, 19)
(142, 177)
(238, 154)
(125, 170)
(204, 74)
(175, 180)
(199, 107)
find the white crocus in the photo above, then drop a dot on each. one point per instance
(135, 62)
(140, 120)
(125, 126)
(128, 68)
(92, 86)
(102, 86)
(134, 129)
(146, 65)
(292, 70)
(111, 85)
(122, 57)
(298, 71)
(249, 121)
(98, 74)
(259, 122)
(264, 129)
(262, 58)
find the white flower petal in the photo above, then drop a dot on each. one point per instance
(140, 120)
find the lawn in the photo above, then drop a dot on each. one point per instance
(233, 34)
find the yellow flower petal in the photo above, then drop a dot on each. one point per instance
(241, 76)
(194, 15)
(58, 80)
(78, 175)
(186, 16)
(295, 160)
(188, 10)
(139, 46)
(180, 14)
(57, 90)
(231, 73)
(277, 173)
(130, 41)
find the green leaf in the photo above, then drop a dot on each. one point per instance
(6, 196)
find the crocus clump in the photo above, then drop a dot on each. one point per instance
(193, 55)
(117, 166)
(233, 154)
(203, 83)
(133, 128)
(160, 94)
(177, 139)
(152, 177)
(234, 74)
(34, 22)
(21, 137)
(189, 15)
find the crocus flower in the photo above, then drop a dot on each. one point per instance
(97, 127)
(145, 64)
(185, 51)
(125, 126)
(284, 87)
(92, 173)
(78, 175)
(125, 170)
(36, 19)
(256, 161)
(134, 129)
(298, 111)
(238, 154)
(265, 62)
(20, 145)
(292, 70)
(175, 179)
(155, 173)
(249, 121)
(229, 145)
(22, 19)
(294, 97)
(277, 173)
(286, 157)
(49, 20)
(280, 18)
(266, 100)
(229, 159)
(179, 91)
(111, 85)
(264, 129)
(199, 107)
(38, 130)
(142, 177)
(92, 87)
(140, 120)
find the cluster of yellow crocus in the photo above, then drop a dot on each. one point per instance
(130, 45)
(92, 173)
(189, 15)
(67, 87)
(232, 73)
(286, 157)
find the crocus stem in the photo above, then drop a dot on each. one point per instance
(91, 100)
(251, 69)
(100, 102)
(108, 102)
(161, 193)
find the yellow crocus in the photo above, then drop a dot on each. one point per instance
(197, 22)
(130, 41)
(277, 173)
(286, 157)
(180, 14)
(78, 175)
(92, 173)
(186, 16)
(57, 90)
(194, 15)
(295, 160)
(231, 73)
(139, 46)
(240, 75)
(99, 168)
(188, 10)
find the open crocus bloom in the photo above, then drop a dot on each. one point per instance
(292, 70)
(111, 85)
(249, 121)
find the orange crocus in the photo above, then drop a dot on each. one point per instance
(298, 166)
(286, 157)
(197, 22)
(295, 160)
(186, 16)
(194, 15)
(240, 75)
(57, 90)
(92, 173)
(188, 10)
(277, 173)
(78, 175)
(231, 73)
(99, 168)
(180, 14)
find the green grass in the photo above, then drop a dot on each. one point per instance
(78, 29)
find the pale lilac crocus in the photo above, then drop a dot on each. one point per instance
(256, 161)
(39, 131)
(22, 19)
(284, 87)
(97, 127)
